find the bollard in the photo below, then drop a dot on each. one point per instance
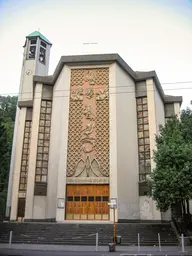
(10, 238)
(159, 240)
(138, 242)
(182, 243)
(97, 241)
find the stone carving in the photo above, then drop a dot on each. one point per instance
(88, 144)
(89, 168)
(88, 129)
(77, 94)
(88, 112)
(90, 77)
(102, 94)
(88, 147)
(89, 93)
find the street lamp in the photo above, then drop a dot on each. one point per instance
(113, 205)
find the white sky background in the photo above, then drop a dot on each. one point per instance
(148, 35)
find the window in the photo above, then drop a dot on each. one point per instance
(98, 198)
(105, 199)
(42, 52)
(77, 198)
(42, 55)
(43, 44)
(84, 198)
(43, 142)
(32, 49)
(70, 198)
(25, 157)
(143, 138)
(91, 198)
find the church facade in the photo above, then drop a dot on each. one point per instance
(84, 135)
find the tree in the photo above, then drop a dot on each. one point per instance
(7, 119)
(171, 180)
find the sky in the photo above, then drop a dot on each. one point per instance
(147, 34)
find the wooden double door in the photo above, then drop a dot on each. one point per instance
(87, 202)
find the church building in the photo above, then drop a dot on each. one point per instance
(83, 136)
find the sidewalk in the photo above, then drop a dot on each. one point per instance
(121, 250)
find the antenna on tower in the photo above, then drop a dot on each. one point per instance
(88, 44)
(38, 29)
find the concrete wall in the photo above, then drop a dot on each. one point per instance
(127, 147)
(12, 164)
(113, 136)
(33, 153)
(42, 69)
(159, 110)
(58, 145)
(155, 115)
(17, 163)
(39, 207)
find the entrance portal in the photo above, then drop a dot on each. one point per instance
(87, 202)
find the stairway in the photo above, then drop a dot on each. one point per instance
(84, 234)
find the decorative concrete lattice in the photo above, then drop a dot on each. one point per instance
(102, 76)
(77, 77)
(74, 136)
(102, 142)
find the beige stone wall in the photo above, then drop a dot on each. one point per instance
(127, 147)
(33, 153)
(17, 165)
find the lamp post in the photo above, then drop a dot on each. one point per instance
(113, 205)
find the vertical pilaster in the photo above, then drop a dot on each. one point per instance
(113, 136)
(152, 132)
(16, 164)
(33, 152)
(12, 164)
(62, 166)
(177, 109)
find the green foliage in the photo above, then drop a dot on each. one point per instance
(7, 119)
(171, 180)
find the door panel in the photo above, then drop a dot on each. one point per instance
(87, 202)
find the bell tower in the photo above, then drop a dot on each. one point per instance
(35, 62)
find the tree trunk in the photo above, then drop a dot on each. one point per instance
(183, 207)
(188, 210)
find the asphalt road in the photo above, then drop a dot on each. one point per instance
(12, 252)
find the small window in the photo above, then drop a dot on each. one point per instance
(42, 55)
(77, 198)
(98, 198)
(91, 198)
(70, 198)
(33, 41)
(84, 198)
(105, 199)
(43, 44)
(32, 51)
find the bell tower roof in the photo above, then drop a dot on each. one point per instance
(38, 34)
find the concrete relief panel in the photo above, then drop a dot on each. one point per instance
(146, 208)
(88, 136)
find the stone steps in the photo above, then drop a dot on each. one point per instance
(83, 234)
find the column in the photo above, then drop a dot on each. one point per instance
(33, 152)
(64, 118)
(152, 131)
(113, 136)
(12, 164)
(17, 163)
